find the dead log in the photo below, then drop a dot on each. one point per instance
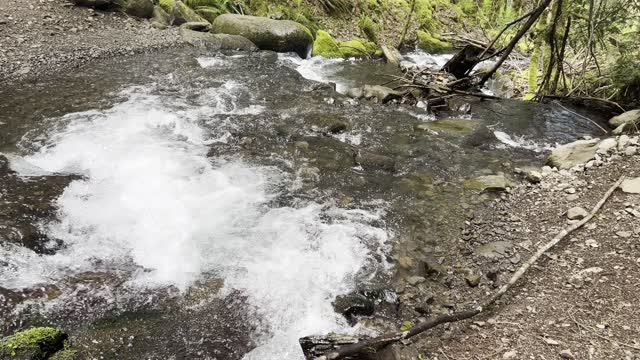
(391, 55)
(461, 64)
(372, 344)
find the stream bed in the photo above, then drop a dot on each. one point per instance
(189, 205)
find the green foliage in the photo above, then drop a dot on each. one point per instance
(369, 28)
(208, 13)
(431, 43)
(336, 7)
(467, 6)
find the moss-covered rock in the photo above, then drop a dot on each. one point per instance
(183, 14)
(209, 13)
(267, 34)
(36, 343)
(431, 43)
(328, 47)
(139, 8)
(167, 5)
(160, 16)
(209, 41)
(66, 354)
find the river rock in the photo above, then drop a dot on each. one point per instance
(480, 137)
(631, 186)
(352, 305)
(569, 155)
(534, 176)
(197, 26)
(489, 182)
(607, 145)
(629, 117)
(382, 93)
(211, 41)
(267, 34)
(35, 343)
(139, 8)
(577, 213)
(370, 161)
(630, 150)
(355, 93)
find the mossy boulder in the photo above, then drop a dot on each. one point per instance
(183, 14)
(139, 8)
(167, 5)
(432, 43)
(327, 46)
(208, 12)
(209, 41)
(267, 34)
(36, 343)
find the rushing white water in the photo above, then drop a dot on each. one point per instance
(520, 142)
(151, 197)
(319, 69)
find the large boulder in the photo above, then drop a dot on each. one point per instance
(160, 18)
(211, 41)
(630, 117)
(572, 154)
(267, 34)
(139, 8)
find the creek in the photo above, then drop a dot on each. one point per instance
(190, 205)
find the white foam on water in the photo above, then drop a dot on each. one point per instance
(318, 69)
(151, 197)
(207, 61)
(521, 142)
(425, 60)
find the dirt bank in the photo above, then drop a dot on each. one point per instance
(40, 37)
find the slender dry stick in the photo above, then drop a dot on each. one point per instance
(386, 339)
(506, 26)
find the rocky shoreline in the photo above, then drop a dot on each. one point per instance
(39, 38)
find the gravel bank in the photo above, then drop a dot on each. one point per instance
(40, 37)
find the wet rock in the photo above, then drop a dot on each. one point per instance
(353, 305)
(139, 8)
(355, 93)
(572, 154)
(35, 343)
(382, 93)
(370, 161)
(267, 34)
(337, 127)
(481, 137)
(430, 266)
(624, 128)
(415, 280)
(629, 117)
(577, 213)
(459, 127)
(489, 182)
(211, 41)
(631, 186)
(200, 26)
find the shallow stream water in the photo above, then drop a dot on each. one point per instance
(190, 205)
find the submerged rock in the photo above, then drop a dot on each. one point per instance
(489, 182)
(35, 343)
(353, 305)
(267, 34)
(370, 161)
(481, 137)
(629, 117)
(572, 154)
(450, 126)
(211, 41)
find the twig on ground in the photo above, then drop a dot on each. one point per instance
(386, 339)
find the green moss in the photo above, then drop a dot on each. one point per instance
(35, 343)
(430, 43)
(327, 46)
(533, 70)
(167, 5)
(67, 354)
(369, 28)
(208, 13)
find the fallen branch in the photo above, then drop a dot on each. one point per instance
(386, 339)
(506, 26)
